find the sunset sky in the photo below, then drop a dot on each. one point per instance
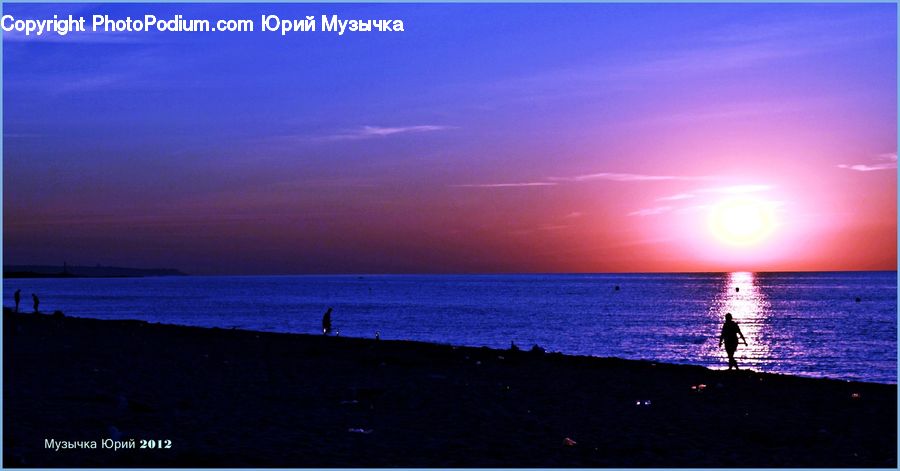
(484, 138)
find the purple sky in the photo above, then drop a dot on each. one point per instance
(484, 138)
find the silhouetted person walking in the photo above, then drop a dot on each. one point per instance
(729, 335)
(36, 302)
(326, 322)
(17, 297)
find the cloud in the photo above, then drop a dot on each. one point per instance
(651, 211)
(82, 82)
(369, 132)
(679, 196)
(638, 242)
(90, 83)
(135, 70)
(829, 32)
(544, 228)
(504, 185)
(730, 47)
(721, 190)
(608, 176)
(713, 59)
(573, 215)
(883, 162)
(743, 45)
(623, 177)
(733, 111)
(870, 168)
(21, 135)
(735, 189)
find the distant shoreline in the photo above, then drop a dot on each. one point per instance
(20, 275)
(97, 271)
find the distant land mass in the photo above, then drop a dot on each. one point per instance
(74, 271)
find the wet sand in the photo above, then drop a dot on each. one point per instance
(231, 398)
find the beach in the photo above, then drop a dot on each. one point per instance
(237, 398)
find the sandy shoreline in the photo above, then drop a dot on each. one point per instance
(242, 398)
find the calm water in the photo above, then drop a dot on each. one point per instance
(800, 323)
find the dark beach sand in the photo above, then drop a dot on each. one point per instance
(237, 398)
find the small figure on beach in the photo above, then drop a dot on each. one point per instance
(326, 322)
(36, 302)
(729, 335)
(17, 296)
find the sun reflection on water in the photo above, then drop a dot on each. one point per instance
(742, 296)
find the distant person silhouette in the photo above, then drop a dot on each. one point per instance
(17, 297)
(729, 336)
(36, 302)
(326, 322)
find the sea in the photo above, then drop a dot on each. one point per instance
(840, 325)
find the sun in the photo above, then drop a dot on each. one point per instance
(742, 221)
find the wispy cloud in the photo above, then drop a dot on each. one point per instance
(706, 60)
(624, 177)
(651, 211)
(504, 185)
(137, 70)
(90, 83)
(882, 162)
(679, 196)
(733, 111)
(732, 47)
(638, 242)
(542, 228)
(718, 190)
(735, 189)
(833, 31)
(694, 208)
(699, 193)
(743, 46)
(573, 215)
(370, 132)
(607, 176)
(21, 135)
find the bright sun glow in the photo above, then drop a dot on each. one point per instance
(742, 221)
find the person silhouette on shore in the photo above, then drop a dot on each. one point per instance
(17, 297)
(729, 335)
(326, 322)
(36, 302)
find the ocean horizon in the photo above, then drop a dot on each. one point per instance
(838, 325)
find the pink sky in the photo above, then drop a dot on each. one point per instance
(600, 138)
